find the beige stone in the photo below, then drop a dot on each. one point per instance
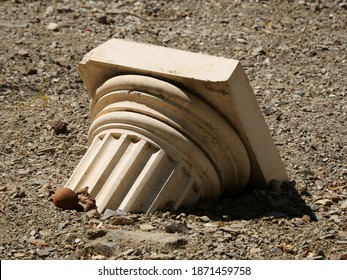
(170, 128)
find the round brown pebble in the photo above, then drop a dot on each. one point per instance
(65, 198)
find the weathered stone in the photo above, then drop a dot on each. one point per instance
(121, 220)
(344, 205)
(169, 78)
(96, 233)
(53, 26)
(324, 202)
(177, 227)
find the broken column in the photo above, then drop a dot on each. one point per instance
(170, 128)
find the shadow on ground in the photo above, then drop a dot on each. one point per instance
(281, 202)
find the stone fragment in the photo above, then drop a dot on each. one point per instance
(98, 257)
(314, 207)
(96, 233)
(298, 222)
(232, 255)
(176, 227)
(121, 220)
(49, 10)
(344, 205)
(19, 255)
(276, 251)
(230, 229)
(61, 226)
(160, 256)
(23, 53)
(52, 26)
(204, 219)
(324, 202)
(45, 252)
(258, 51)
(107, 214)
(63, 146)
(38, 242)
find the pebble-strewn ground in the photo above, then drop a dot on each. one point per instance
(295, 55)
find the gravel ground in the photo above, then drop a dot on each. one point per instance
(295, 55)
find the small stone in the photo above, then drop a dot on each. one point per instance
(232, 255)
(324, 202)
(258, 51)
(107, 214)
(344, 205)
(63, 62)
(23, 172)
(19, 255)
(298, 222)
(98, 257)
(38, 242)
(147, 227)
(159, 256)
(52, 26)
(314, 207)
(49, 10)
(276, 251)
(44, 233)
(61, 226)
(23, 53)
(121, 212)
(176, 228)
(44, 252)
(121, 220)
(334, 217)
(96, 233)
(204, 219)
(63, 146)
(192, 217)
(241, 40)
